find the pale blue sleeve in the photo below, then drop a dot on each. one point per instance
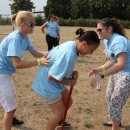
(14, 48)
(30, 46)
(59, 68)
(119, 47)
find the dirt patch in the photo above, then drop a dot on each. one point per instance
(89, 107)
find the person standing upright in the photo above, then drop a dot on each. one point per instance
(51, 31)
(57, 20)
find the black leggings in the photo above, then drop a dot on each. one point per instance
(51, 41)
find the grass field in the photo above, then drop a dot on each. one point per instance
(89, 107)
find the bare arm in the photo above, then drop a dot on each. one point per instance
(107, 65)
(43, 27)
(120, 65)
(63, 81)
(20, 64)
(38, 54)
(110, 67)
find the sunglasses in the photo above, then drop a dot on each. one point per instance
(99, 29)
(31, 24)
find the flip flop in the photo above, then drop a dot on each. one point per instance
(106, 124)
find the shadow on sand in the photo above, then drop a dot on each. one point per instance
(20, 127)
(125, 127)
(70, 128)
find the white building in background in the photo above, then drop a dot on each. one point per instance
(39, 13)
(5, 15)
(35, 14)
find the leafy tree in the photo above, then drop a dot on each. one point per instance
(21, 5)
(96, 9)
(79, 10)
(60, 8)
(110, 8)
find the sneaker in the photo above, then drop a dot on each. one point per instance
(16, 121)
(66, 125)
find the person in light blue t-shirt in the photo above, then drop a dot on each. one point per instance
(12, 48)
(51, 31)
(50, 82)
(117, 48)
(57, 20)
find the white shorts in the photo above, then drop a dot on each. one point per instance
(50, 100)
(7, 96)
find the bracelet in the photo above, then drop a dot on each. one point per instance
(68, 82)
(38, 62)
(103, 68)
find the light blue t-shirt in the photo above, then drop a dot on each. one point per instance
(58, 28)
(51, 29)
(12, 45)
(118, 44)
(63, 60)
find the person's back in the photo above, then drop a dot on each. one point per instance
(50, 82)
(63, 59)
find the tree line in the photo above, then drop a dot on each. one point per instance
(75, 9)
(96, 9)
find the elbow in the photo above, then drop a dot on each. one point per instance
(122, 67)
(50, 77)
(16, 66)
(42, 28)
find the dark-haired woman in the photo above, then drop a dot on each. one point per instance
(51, 31)
(117, 47)
(50, 82)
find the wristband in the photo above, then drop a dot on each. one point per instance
(38, 62)
(68, 82)
(103, 68)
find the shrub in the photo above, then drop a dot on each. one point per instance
(39, 20)
(81, 22)
(5, 21)
(67, 22)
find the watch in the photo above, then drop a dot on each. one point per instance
(102, 75)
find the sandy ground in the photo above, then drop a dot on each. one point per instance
(89, 107)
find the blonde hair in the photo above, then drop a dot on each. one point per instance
(20, 17)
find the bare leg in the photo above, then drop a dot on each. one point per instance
(65, 95)
(115, 124)
(58, 111)
(7, 120)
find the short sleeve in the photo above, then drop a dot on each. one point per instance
(14, 48)
(30, 46)
(119, 48)
(59, 68)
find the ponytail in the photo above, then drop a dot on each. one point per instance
(13, 23)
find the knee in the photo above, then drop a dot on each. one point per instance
(71, 101)
(60, 112)
(12, 111)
